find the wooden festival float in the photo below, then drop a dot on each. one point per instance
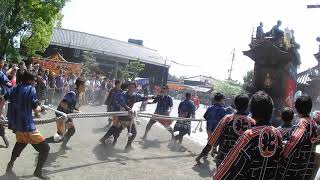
(275, 69)
(56, 62)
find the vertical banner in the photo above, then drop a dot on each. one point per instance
(290, 92)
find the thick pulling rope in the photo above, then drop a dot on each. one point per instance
(106, 114)
(135, 115)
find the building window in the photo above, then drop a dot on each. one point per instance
(76, 53)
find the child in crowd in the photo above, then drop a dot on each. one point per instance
(286, 127)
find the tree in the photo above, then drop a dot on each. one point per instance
(248, 82)
(228, 89)
(27, 25)
(89, 62)
(131, 70)
(172, 78)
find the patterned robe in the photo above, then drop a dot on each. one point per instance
(297, 160)
(255, 155)
(228, 131)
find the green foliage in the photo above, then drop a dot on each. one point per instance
(131, 70)
(89, 62)
(229, 89)
(172, 78)
(248, 82)
(40, 38)
(27, 25)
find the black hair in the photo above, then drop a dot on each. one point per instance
(26, 76)
(20, 72)
(124, 86)
(1, 58)
(303, 105)
(261, 106)
(117, 82)
(188, 95)
(287, 114)
(218, 97)
(132, 83)
(79, 82)
(241, 103)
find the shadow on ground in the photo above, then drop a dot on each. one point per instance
(151, 143)
(105, 154)
(100, 130)
(52, 158)
(2, 146)
(175, 147)
(203, 169)
(9, 177)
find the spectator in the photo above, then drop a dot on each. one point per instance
(51, 87)
(12, 74)
(102, 91)
(59, 86)
(195, 99)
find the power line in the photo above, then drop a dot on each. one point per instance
(183, 64)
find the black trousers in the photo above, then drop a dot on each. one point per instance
(205, 151)
(2, 131)
(70, 132)
(115, 132)
(151, 123)
(43, 148)
(179, 137)
(3, 135)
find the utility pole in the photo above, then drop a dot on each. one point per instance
(231, 68)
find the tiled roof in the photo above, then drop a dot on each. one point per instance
(200, 89)
(202, 78)
(303, 77)
(104, 45)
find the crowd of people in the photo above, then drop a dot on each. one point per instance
(244, 143)
(52, 86)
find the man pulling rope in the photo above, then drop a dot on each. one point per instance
(69, 104)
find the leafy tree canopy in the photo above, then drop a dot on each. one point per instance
(26, 26)
(248, 82)
(228, 89)
(131, 70)
(89, 62)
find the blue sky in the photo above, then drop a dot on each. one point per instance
(197, 32)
